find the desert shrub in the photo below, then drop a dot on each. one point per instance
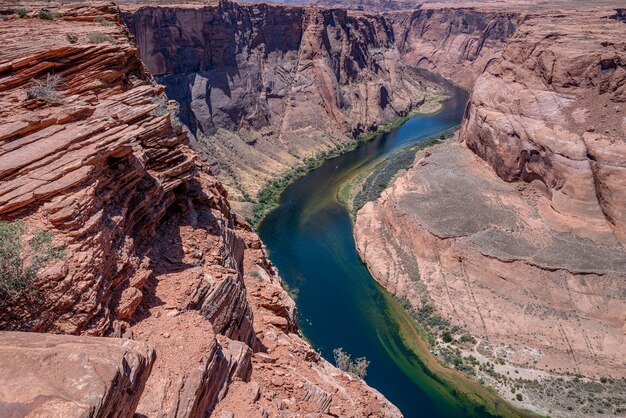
(467, 338)
(446, 337)
(103, 21)
(344, 362)
(46, 90)
(48, 15)
(71, 37)
(98, 37)
(519, 397)
(21, 12)
(162, 109)
(19, 264)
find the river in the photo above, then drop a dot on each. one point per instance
(309, 239)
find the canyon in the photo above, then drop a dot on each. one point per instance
(166, 122)
(154, 258)
(264, 88)
(514, 232)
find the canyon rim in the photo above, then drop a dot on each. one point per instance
(138, 140)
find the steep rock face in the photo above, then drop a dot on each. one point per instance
(516, 233)
(153, 251)
(101, 377)
(99, 168)
(292, 81)
(453, 235)
(459, 44)
(552, 111)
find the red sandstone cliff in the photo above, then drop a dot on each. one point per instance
(153, 251)
(291, 81)
(459, 44)
(516, 234)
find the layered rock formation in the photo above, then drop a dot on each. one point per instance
(516, 234)
(290, 81)
(552, 112)
(68, 376)
(459, 44)
(153, 251)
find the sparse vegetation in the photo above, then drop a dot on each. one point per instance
(71, 37)
(162, 106)
(104, 22)
(46, 90)
(357, 367)
(48, 15)
(99, 37)
(21, 12)
(18, 264)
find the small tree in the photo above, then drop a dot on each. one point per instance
(19, 265)
(344, 362)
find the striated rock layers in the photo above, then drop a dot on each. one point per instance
(290, 81)
(153, 252)
(516, 234)
(552, 112)
(459, 44)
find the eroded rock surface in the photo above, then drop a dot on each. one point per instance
(70, 376)
(153, 251)
(459, 44)
(552, 111)
(516, 233)
(291, 81)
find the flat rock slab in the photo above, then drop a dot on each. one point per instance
(46, 375)
(453, 198)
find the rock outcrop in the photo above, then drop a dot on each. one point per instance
(153, 251)
(69, 376)
(552, 112)
(458, 43)
(516, 233)
(290, 81)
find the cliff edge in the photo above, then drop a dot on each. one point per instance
(153, 253)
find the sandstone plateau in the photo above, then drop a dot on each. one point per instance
(516, 232)
(153, 252)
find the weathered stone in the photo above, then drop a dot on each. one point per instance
(69, 376)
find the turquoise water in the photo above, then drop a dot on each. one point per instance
(309, 238)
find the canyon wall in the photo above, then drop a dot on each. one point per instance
(458, 43)
(552, 112)
(289, 82)
(152, 250)
(515, 233)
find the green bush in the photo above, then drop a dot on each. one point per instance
(48, 15)
(344, 362)
(519, 397)
(104, 22)
(18, 264)
(446, 337)
(21, 12)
